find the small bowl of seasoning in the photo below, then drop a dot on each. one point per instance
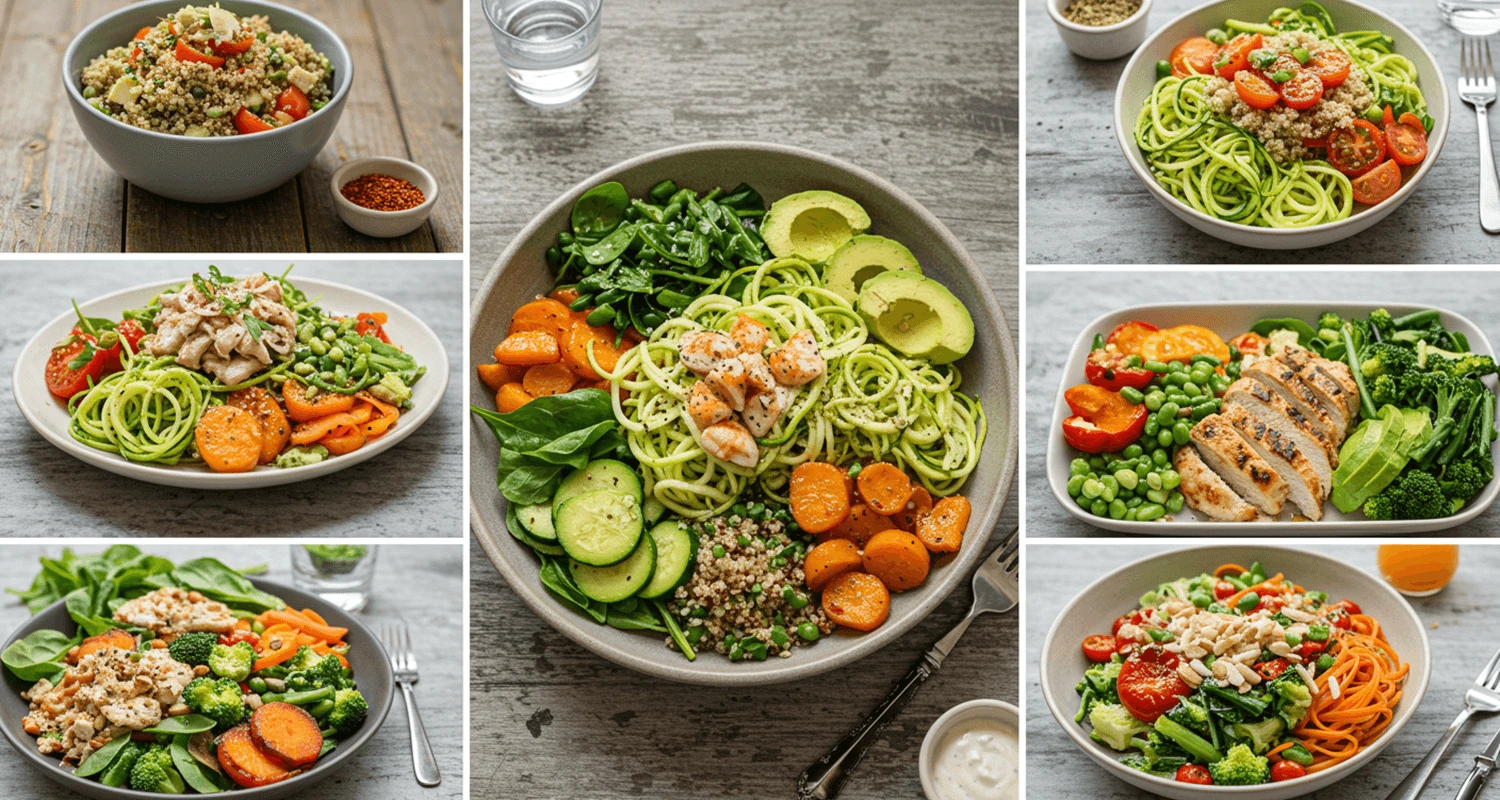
(384, 197)
(1100, 29)
(973, 752)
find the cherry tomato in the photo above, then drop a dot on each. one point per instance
(1256, 91)
(1108, 369)
(74, 363)
(246, 122)
(1235, 54)
(293, 102)
(372, 325)
(1194, 773)
(1149, 684)
(1376, 186)
(1357, 150)
(1285, 770)
(142, 33)
(1347, 605)
(1270, 604)
(1127, 337)
(1193, 56)
(127, 331)
(1250, 344)
(1302, 92)
(1224, 589)
(1330, 65)
(1309, 649)
(1271, 670)
(1340, 621)
(1406, 139)
(1115, 630)
(233, 48)
(235, 637)
(1098, 648)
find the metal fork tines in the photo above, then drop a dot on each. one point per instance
(1476, 86)
(397, 641)
(1483, 697)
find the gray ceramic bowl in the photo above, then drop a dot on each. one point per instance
(989, 369)
(1118, 592)
(218, 169)
(372, 671)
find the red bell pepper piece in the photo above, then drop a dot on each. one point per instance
(1102, 421)
(1109, 369)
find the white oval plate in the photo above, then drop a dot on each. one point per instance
(49, 415)
(1227, 320)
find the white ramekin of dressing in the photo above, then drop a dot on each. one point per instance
(973, 752)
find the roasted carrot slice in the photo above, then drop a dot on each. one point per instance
(287, 732)
(942, 530)
(388, 414)
(275, 430)
(898, 559)
(829, 560)
(916, 508)
(527, 348)
(228, 439)
(301, 409)
(313, 430)
(548, 379)
(511, 397)
(114, 637)
(819, 495)
(546, 315)
(343, 441)
(857, 600)
(495, 375)
(245, 763)
(884, 487)
(860, 525)
(575, 350)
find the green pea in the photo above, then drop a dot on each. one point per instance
(1092, 488)
(1160, 458)
(778, 635)
(1318, 633)
(1181, 433)
(1117, 509)
(1217, 36)
(1079, 466)
(1142, 470)
(719, 553)
(1154, 400)
(1109, 494)
(1294, 639)
(1174, 502)
(799, 601)
(257, 685)
(1164, 437)
(1099, 508)
(1083, 501)
(1170, 479)
(1075, 485)
(1248, 602)
(1132, 395)
(1325, 662)
(1149, 511)
(808, 631)
(1163, 70)
(1127, 479)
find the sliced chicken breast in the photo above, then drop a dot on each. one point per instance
(1282, 380)
(1227, 453)
(1329, 391)
(1339, 371)
(1304, 488)
(1268, 406)
(1207, 493)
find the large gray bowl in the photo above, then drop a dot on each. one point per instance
(218, 169)
(989, 370)
(372, 671)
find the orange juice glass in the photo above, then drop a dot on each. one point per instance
(1418, 570)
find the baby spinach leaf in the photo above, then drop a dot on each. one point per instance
(555, 577)
(599, 210)
(37, 655)
(185, 724)
(103, 757)
(640, 617)
(610, 247)
(201, 778)
(218, 582)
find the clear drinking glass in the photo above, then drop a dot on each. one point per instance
(550, 48)
(342, 574)
(1472, 17)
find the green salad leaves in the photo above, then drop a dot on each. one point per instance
(547, 437)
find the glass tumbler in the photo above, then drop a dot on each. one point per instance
(550, 48)
(1471, 17)
(342, 574)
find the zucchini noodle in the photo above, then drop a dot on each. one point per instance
(870, 403)
(146, 413)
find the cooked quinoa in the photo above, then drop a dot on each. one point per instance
(1099, 13)
(144, 83)
(1282, 129)
(722, 598)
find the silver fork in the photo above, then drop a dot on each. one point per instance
(1476, 86)
(995, 591)
(1481, 698)
(397, 641)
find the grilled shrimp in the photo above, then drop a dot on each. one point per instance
(763, 410)
(799, 361)
(729, 441)
(701, 351)
(729, 379)
(705, 406)
(758, 375)
(749, 333)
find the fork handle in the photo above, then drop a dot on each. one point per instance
(1475, 781)
(1411, 786)
(1489, 182)
(422, 759)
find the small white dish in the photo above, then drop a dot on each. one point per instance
(1102, 42)
(1004, 713)
(384, 224)
(49, 416)
(1228, 320)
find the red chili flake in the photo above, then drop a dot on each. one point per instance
(382, 193)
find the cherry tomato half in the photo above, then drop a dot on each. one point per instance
(235, 637)
(1303, 91)
(1271, 670)
(1356, 150)
(293, 102)
(1149, 685)
(1406, 139)
(1235, 54)
(1193, 56)
(1376, 186)
(73, 364)
(1330, 65)
(1285, 770)
(1224, 589)
(1256, 91)
(1099, 647)
(1194, 773)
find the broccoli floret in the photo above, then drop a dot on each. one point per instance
(1381, 358)
(1382, 322)
(306, 658)
(1466, 365)
(193, 648)
(219, 699)
(153, 772)
(1330, 320)
(391, 389)
(1385, 390)
(1190, 715)
(1114, 726)
(326, 671)
(1381, 507)
(349, 709)
(1292, 696)
(1417, 495)
(1240, 767)
(1260, 736)
(1463, 479)
(232, 662)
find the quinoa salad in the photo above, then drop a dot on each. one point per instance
(203, 71)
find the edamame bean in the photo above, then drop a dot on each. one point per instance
(1158, 367)
(257, 685)
(1134, 502)
(1248, 602)
(1149, 511)
(1152, 426)
(1099, 508)
(1157, 496)
(337, 354)
(1180, 398)
(1168, 413)
(1192, 390)
(1143, 470)
(1092, 488)
(1181, 433)
(1170, 479)
(318, 346)
(1132, 395)
(1126, 478)
(1174, 502)
(1175, 379)
(304, 369)
(1083, 501)
(1205, 358)
(1154, 400)
(1108, 495)
(1130, 514)
(1096, 463)
(1176, 366)
(1154, 480)
(1080, 466)
(1075, 485)
(1164, 437)
(1117, 509)
(328, 334)
(1217, 36)
(1199, 412)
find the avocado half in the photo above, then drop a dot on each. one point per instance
(917, 316)
(812, 225)
(861, 259)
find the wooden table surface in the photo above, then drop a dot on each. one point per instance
(1076, 173)
(923, 94)
(406, 101)
(1060, 304)
(415, 489)
(421, 585)
(1459, 628)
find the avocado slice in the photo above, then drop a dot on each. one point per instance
(917, 316)
(812, 225)
(1370, 459)
(861, 259)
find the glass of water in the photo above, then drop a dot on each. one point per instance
(550, 48)
(1472, 17)
(342, 574)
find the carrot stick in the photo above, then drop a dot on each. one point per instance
(1268, 583)
(302, 623)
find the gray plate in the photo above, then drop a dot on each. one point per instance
(372, 671)
(521, 273)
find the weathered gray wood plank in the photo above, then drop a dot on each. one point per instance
(415, 489)
(421, 585)
(1060, 304)
(924, 94)
(1085, 206)
(1460, 628)
(269, 223)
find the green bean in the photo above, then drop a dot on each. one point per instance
(603, 315)
(1132, 395)
(1205, 358)
(321, 710)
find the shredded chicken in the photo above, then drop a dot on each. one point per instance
(170, 612)
(202, 334)
(107, 693)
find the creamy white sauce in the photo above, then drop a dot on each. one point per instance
(977, 760)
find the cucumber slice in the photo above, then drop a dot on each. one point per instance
(537, 520)
(606, 473)
(623, 580)
(653, 510)
(518, 532)
(598, 528)
(676, 555)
